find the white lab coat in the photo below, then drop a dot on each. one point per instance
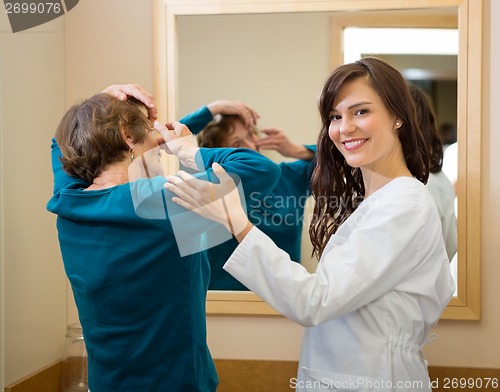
(381, 284)
(443, 194)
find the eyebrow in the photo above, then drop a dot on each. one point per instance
(355, 105)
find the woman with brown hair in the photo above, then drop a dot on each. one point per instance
(383, 278)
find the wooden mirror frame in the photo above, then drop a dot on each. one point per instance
(466, 305)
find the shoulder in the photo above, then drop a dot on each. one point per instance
(403, 198)
(400, 213)
(404, 189)
(440, 186)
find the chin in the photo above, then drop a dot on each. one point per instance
(353, 163)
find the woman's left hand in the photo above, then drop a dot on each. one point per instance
(218, 202)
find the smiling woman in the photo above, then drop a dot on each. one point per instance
(365, 133)
(381, 258)
(183, 27)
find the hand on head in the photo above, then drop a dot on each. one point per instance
(249, 115)
(122, 91)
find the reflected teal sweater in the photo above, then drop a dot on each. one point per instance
(141, 304)
(280, 214)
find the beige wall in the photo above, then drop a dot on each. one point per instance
(43, 71)
(108, 42)
(266, 62)
(32, 286)
(105, 42)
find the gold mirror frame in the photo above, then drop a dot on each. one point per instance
(466, 305)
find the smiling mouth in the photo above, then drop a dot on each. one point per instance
(352, 144)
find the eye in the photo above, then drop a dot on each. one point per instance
(360, 112)
(335, 117)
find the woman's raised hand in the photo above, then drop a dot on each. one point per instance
(177, 139)
(276, 139)
(249, 115)
(122, 91)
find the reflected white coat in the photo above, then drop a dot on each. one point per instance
(381, 285)
(443, 194)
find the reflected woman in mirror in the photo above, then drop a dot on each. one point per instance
(140, 301)
(281, 213)
(438, 183)
(383, 278)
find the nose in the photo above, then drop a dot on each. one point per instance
(251, 142)
(346, 127)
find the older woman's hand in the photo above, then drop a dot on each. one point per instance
(249, 115)
(218, 202)
(177, 139)
(278, 140)
(122, 91)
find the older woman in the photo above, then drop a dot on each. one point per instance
(140, 300)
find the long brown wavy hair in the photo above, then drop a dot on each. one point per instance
(337, 187)
(428, 125)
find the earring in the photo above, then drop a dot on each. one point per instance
(398, 123)
(131, 154)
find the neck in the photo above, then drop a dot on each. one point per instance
(115, 174)
(383, 171)
(373, 181)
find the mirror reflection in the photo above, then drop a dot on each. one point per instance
(277, 69)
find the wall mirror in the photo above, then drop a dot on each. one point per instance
(186, 78)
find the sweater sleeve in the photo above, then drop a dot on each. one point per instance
(258, 174)
(298, 173)
(197, 120)
(255, 176)
(311, 147)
